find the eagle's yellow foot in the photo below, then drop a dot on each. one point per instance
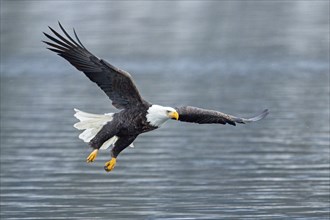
(92, 156)
(110, 164)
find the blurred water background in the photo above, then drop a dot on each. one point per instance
(238, 57)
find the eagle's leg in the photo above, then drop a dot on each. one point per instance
(120, 145)
(107, 132)
(108, 166)
(92, 156)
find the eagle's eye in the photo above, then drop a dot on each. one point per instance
(168, 111)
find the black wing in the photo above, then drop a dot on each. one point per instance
(204, 116)
(116, 83)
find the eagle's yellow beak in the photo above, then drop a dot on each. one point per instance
(174, 115)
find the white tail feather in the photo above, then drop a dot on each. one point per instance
(108, 143)
(88, 134)
(92, 124)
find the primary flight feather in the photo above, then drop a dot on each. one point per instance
(136, 116)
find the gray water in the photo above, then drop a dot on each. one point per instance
(238, 57)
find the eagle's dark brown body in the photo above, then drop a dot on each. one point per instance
(126, 125)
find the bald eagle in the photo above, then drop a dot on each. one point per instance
(137, 115)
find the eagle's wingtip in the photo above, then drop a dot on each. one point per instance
(266, 112)
(258, 117)
(262, 115)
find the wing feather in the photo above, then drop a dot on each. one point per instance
(204, 116)
(116, 83)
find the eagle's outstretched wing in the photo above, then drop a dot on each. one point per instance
(204, 116)
(116, 83)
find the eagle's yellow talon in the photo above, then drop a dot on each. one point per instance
(92, 156)
(110, 164)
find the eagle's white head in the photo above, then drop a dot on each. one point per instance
(158, 115)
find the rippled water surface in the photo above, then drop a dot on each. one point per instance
(238, 57)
